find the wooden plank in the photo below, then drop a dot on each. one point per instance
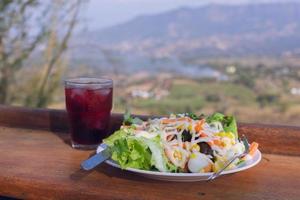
(43, 119)
(39, 164)
(272, 138)
(46, 119)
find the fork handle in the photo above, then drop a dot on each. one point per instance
(216, 174)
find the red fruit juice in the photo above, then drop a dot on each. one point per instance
(89, 113)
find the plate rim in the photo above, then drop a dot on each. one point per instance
(257, 155)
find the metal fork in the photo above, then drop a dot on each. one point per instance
(217, 174)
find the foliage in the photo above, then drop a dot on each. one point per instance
(18, 42)
(245, 78)
(167, 106)
(267, 99)
(212, 98)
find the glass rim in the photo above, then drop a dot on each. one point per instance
(85, 81)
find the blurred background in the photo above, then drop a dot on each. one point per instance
(165, 56)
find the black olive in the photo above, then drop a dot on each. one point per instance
(205, 148)
(186, 136)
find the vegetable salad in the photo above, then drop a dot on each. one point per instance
(179, 143)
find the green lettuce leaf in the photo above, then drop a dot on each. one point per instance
(138, 152)
(116, 136)
(216, 117)
(230, 125)
(228, 122)
(159, 158)
(131, 152)
(129, 120)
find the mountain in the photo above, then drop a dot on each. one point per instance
(212, 30)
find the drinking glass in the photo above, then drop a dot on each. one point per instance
(89, 104)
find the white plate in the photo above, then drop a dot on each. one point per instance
(185, 177)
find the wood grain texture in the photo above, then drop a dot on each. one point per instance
(273, 139)
(39, 164)
(46, 119)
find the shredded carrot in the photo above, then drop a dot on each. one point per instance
(252, 149)
(208, 168)
(203, 135)
(216, 142)
(199, 125)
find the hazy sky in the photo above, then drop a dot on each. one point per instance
(103, 13)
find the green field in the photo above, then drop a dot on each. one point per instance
(193, 96)
(198, 96)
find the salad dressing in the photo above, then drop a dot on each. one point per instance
(176, 144)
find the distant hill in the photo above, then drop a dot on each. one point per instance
(255, 29)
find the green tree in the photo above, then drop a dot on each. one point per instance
(26, 27)
(16, 41)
